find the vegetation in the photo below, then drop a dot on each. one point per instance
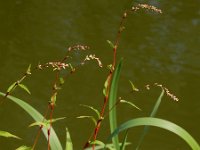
(45, 122)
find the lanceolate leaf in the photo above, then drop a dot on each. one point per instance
(11, 87)
(69, 145)
(8, 135)
(54, 141)
(112, 102)
(161, 123)
(24, 88)
(130, 103)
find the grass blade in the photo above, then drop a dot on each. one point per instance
(161, 123)
(124, 141)
(153, 113)
(54, 141)
(112, 102)
(69, 145)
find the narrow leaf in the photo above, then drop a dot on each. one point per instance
(54, 141)
(130, 103)
(122, 147)
(24, 88)
(92, 108)
(112, 102)
(153, 113)
(8, 135)
(161, 123)
(69, 145)
(111, 44)
(11, 87)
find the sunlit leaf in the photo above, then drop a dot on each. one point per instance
(69, 145)
(39, 123)
(11, 87)
(106, 86)
(111, 44)
(24, 88)
(161, 123)
(8, 135)
(23, 147)
(130, 103)
(92, 108)
(133, 86)
(89, 117)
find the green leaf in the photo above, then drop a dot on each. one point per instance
(111, 44)
(23, 147)
(112, 102)
(97, 142)
(130, 103)
(90, 117)
(11, 87)
(54, 141)
(24, 88)
(46, 123)
(105, 87)
(153, 113)
(92, 108)
(38, 123)
(161, 123)
(29, 69)
(122, 147)
(133, 86)
(8, 135)
(69, 145)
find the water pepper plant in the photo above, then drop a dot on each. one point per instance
(110, 102)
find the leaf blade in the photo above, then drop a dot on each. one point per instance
(112, 101)
(161, 123)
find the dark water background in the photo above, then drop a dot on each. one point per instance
(156, 48)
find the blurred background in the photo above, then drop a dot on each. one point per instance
(162, 48)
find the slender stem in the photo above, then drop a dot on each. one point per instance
(96, 130)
